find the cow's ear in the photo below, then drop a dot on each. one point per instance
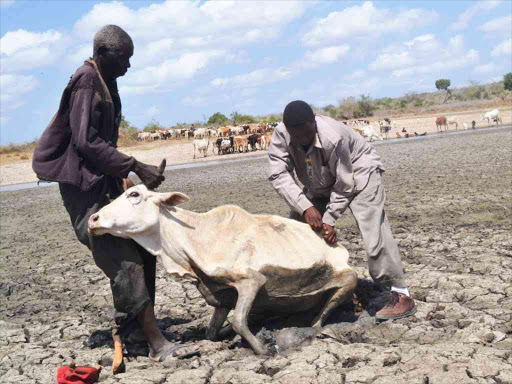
(172, 198)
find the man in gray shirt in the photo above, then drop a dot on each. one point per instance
(338, 170)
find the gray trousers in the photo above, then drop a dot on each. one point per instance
(367, 206)
(130, 268)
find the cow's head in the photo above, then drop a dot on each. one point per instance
(136, 211)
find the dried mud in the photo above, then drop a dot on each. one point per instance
(449, 202)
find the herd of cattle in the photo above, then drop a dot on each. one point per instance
(252, 137)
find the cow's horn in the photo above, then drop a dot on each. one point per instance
(161, 167)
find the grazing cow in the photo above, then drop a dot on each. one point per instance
(240, 143)
(384, 130)
(453, 121)
(144, 136)
(200, 133)
(387, 120)
(266, 143)
(201, 145)
(440, 122)
(253, 139)
(370, 133)
(237, 130)
(155, 136)
(225, 145)
(224, 132)
(493, 115)
(273, 264)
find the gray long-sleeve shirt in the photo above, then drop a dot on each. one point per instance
(340, 163)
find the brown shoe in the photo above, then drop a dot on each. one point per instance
(398, 307)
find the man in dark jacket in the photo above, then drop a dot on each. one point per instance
(78, 150)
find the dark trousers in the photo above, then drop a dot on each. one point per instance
(130, 268)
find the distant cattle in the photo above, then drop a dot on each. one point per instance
(240, 144)
(493, 115)
(440, 122)
(453, 121)
(201, 146)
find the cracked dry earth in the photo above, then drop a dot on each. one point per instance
(449, 204)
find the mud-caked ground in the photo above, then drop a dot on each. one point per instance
(449, 202)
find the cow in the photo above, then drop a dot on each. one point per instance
(240, 144)
(225, 145)
(224, 132)
(273, 264)
(200, 133)
(253, 139)
(453, 121)
(384, 130)
(155, 136)
(143, 136)
(440, 122)
(201, 145)
(493, 115)
(370, 133)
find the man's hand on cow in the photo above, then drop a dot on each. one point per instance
(150, 175)
(313, 217)
(127, 184)
(329, 234)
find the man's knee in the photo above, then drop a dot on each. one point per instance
(129, 289)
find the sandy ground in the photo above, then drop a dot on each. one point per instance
(449, 204)
(180, 151)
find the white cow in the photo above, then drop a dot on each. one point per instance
(272, 263)
(201, 146)
(200, 133)
(453, 121)
(370, 133)
(465, 125)
(144, 136)
(493, 115)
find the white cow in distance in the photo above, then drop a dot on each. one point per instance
(493, 115)
(371, 133)
(272, 264)
(453, 121)
(201, 146)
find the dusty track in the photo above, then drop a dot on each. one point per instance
(449, 203)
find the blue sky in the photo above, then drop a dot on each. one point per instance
(195, 58)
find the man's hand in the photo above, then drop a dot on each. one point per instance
(329, 234)
(127, 184)
(150, 175)
(313, 218)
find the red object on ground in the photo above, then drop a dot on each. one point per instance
(71, 374)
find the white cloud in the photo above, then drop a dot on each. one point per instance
(252, 79)
(500, 24)
(13, 87)
(475, 10)
(485, 68)
(327, 55)
(423, 54)
(23, 50)
(503, 49)
(6, 3)
(194, 23)
(365, 20)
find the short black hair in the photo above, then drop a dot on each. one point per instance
(111, 37)
(297, 113)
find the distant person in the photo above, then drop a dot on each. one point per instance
(78, 150)
(339, 170)
(473, 124)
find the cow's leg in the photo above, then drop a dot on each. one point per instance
(219, 317)
(348, 283)
(247, 289)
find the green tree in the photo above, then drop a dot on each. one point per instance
(234, 116)
(246, 119)
(365, 105)
(152, 126)
(507, 81)
(217, 119)
(442, 85)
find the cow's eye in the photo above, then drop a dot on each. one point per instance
(134, 194)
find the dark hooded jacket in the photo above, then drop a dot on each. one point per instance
(79, 145)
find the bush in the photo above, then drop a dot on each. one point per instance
(217, 119)
(507, 81)
(365, 105)
(348, 106)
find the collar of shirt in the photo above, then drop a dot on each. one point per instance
(316, 144)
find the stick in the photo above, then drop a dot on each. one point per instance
(118, 363)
